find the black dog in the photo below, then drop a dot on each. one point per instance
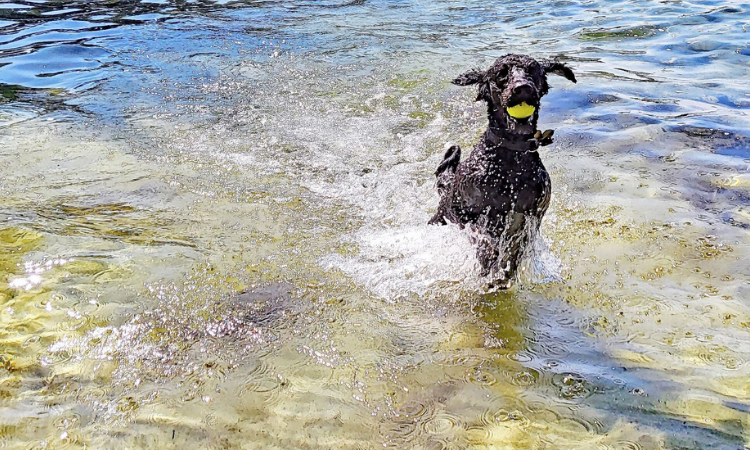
(502, 189)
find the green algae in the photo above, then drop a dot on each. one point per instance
(15, 242)
(10, 92)
(618, 33)
(405, 83)
(423, 117)
(116, 221)
(359, 109)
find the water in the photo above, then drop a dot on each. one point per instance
(161, 158)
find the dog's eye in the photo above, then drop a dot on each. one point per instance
(503, 72)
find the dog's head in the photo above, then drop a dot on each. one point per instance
(513, 87)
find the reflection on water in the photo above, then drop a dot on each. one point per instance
(213, 228)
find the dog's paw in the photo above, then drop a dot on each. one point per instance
(501, 285)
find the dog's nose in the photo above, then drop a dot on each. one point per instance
(523, 92)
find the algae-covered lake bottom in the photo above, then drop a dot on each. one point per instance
(212, 229)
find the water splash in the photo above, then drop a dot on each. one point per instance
(410, 260)
(394, 263)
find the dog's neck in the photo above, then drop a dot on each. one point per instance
(500, 138)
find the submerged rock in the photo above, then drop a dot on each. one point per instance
(265, 305)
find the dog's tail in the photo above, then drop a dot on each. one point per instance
(445, 173)
(447, 169)
(450, 161)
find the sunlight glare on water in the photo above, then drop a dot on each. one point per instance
(215, 228)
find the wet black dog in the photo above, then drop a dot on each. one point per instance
(502, 189)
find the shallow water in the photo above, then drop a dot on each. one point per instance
(213, 228)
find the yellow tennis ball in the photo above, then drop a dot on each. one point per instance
(521, 111)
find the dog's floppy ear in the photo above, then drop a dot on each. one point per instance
(559, 68)
(474, 76)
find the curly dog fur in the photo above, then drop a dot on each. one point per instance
(502, 189)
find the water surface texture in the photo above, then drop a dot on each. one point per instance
(212, 228)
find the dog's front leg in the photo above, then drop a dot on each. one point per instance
(487, 253)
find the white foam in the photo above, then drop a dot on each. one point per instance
(394, 262)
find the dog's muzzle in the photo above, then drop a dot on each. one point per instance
(523, 102)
